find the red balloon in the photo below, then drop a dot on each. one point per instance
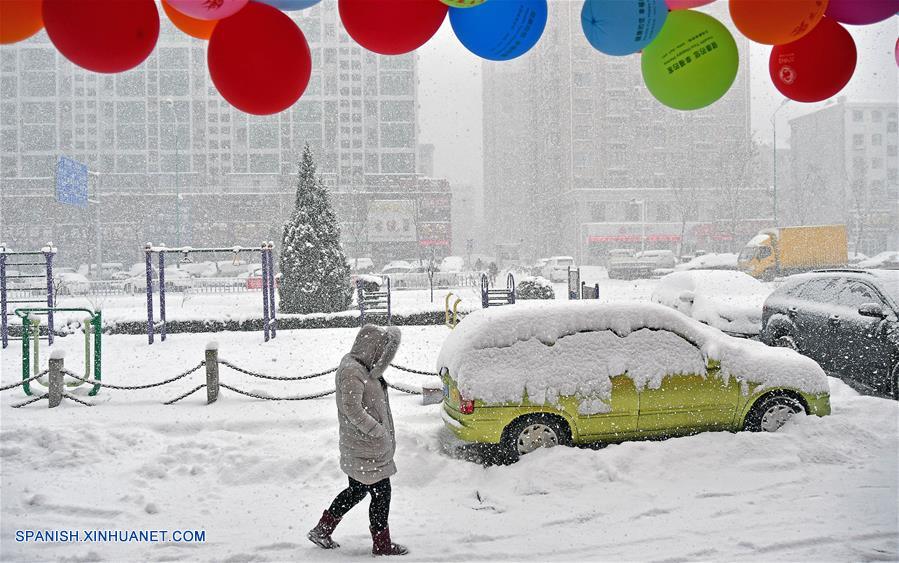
(815, 67)
(102, 35)
(392, 27)
(259, 60)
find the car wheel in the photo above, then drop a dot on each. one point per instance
(531, 433)
(772, 412)
(786, 341)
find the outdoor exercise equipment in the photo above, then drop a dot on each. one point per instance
(622, 28)
(201, 29)
(103, 35)
(266, 258)
(692, 62)
(500, 31)
(497, 297)
(815, 67)
(31, 357)
(391, 27)
(267, 78)
(378, 301)
(37, 276)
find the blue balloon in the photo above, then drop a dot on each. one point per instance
(618, 27)
(288, 5)
(500, 30)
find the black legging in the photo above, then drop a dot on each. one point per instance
(378, 510)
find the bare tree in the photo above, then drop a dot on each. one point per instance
(737, 186)
(858, 188)
(687, 192)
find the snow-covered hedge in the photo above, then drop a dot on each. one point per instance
(555, 349)
(535, 288)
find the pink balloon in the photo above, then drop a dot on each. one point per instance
(861, 12)
(686, 4)
(896, 52)
(208, 9)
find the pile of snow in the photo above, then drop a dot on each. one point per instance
(723, 261)
(727, 300)
(553, 349)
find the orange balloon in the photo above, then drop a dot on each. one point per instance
(19, 19)
(201, 29)
(775, 22)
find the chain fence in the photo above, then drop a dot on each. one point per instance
(212, 384)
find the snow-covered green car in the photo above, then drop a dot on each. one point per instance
(578, 372)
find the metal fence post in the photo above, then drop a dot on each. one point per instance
(360, 296)
(48, 255)
(162, 295)
(271, 287)
(389, 312)
(265, 327)
(148, 249)
(56, 383)
(4, 329)
(212, 372)
(26, 354)
(97, 323)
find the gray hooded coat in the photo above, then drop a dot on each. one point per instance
(367, 441)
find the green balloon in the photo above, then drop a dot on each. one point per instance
(692, 62)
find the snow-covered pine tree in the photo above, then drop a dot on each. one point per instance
(315, 277)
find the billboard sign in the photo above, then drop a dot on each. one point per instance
(71, 182)
(391, 220)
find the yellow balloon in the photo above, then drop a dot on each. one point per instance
(463, 3)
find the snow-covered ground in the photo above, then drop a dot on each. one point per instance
(255, 475)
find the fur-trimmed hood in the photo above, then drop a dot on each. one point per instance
(375, 347)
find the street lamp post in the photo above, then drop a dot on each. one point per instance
(774, 155)
(96, 202)
(171, 103)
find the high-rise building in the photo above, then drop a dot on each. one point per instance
(579, 158)
(162, 130)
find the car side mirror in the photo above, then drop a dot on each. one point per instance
(871, 310)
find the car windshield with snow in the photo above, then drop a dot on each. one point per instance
(574, 373)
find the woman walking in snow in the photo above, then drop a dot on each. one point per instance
(367, 441)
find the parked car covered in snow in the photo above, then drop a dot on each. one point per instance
(888, 260)
(727, 300)
(723, 261)
(846, 320)
(70, 283)
(397, 267)
(175, 280)
(556, 268)
(580, 372)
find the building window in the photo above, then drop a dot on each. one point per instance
(891, 150)
(891, 127)
(597, 212)
(876, 163)
(876, 116)
(876, 140)
(858, 141)
(663, 213)
(632, 212)
(857, 116)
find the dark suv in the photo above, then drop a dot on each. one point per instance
(846, 320)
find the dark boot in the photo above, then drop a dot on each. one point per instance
(381, 544)
(320, 535)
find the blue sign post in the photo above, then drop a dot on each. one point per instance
(71, 182)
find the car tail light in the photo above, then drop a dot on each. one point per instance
(466, 406)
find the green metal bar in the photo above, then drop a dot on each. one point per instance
(23, 312)
(97, 325)
(26, 354)
(36, 364)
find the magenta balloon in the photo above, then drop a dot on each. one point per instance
(686, 4)
(208, 9)
(861, 12)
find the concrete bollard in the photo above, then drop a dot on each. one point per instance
(56, 387)
(212, 372)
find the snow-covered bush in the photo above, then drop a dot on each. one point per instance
(535, 288)
(315, 273)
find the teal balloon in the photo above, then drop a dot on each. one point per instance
(290, 5)
(499, 30)
(618, 27)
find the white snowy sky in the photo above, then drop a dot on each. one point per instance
(450, 93)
